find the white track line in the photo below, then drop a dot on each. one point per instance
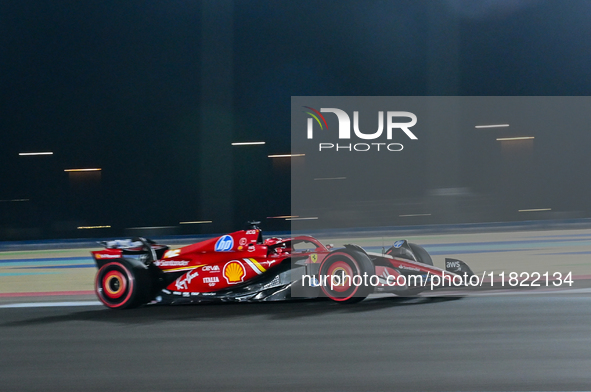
(425, 294)
(51, 304)
(505, 292)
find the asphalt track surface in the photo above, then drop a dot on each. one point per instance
(494, 339)
(476, 343)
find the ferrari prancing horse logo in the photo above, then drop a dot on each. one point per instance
(314, 257)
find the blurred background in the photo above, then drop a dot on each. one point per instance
(123, 118)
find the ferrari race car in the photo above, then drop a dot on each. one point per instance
(242, 266)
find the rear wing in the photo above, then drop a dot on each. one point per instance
(146, 250)
(121, 244)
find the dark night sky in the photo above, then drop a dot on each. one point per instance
(114, 84)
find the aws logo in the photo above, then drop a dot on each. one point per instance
(344, 132)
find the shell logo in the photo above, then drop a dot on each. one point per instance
(234, 272)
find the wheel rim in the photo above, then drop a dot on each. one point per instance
(114, 285)
(341, 265)
(345, 274)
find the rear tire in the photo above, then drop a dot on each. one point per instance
(347, 266)
(120, 285)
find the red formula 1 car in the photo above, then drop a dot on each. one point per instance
(242, 266)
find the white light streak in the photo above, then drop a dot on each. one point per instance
(247, 143)
(515, 138)
(82, 170)
(492, 126)
(286, 155)
(306, 218)
(194, 222)
(35, 153)
(536, 209)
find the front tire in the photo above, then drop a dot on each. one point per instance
(423, 257)
(118, 285)
(350, 268)
(421, 254)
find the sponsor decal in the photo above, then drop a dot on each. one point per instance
(225, 243)
(408, 268)
(213, 279)
(314, 257)
(452, 264)
(171, 263)
(211, 268)
(251, 248)
(243, 241)
(234, 272)
(107, 256)
(398, 244)
(255, 265)
(172, 253)
(183, 281)
(268, 262)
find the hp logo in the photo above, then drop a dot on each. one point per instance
(225, 243)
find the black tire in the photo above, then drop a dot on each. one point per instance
(423, 257)
(120, 285)
(421, 254)
(346, 263)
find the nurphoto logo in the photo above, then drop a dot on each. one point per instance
(344, 132)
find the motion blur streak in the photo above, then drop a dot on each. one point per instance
(51, 304)
(286, 155)
(491, 126)
(247, 143)
(194, 222)
(515, 138)
(82, 170)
